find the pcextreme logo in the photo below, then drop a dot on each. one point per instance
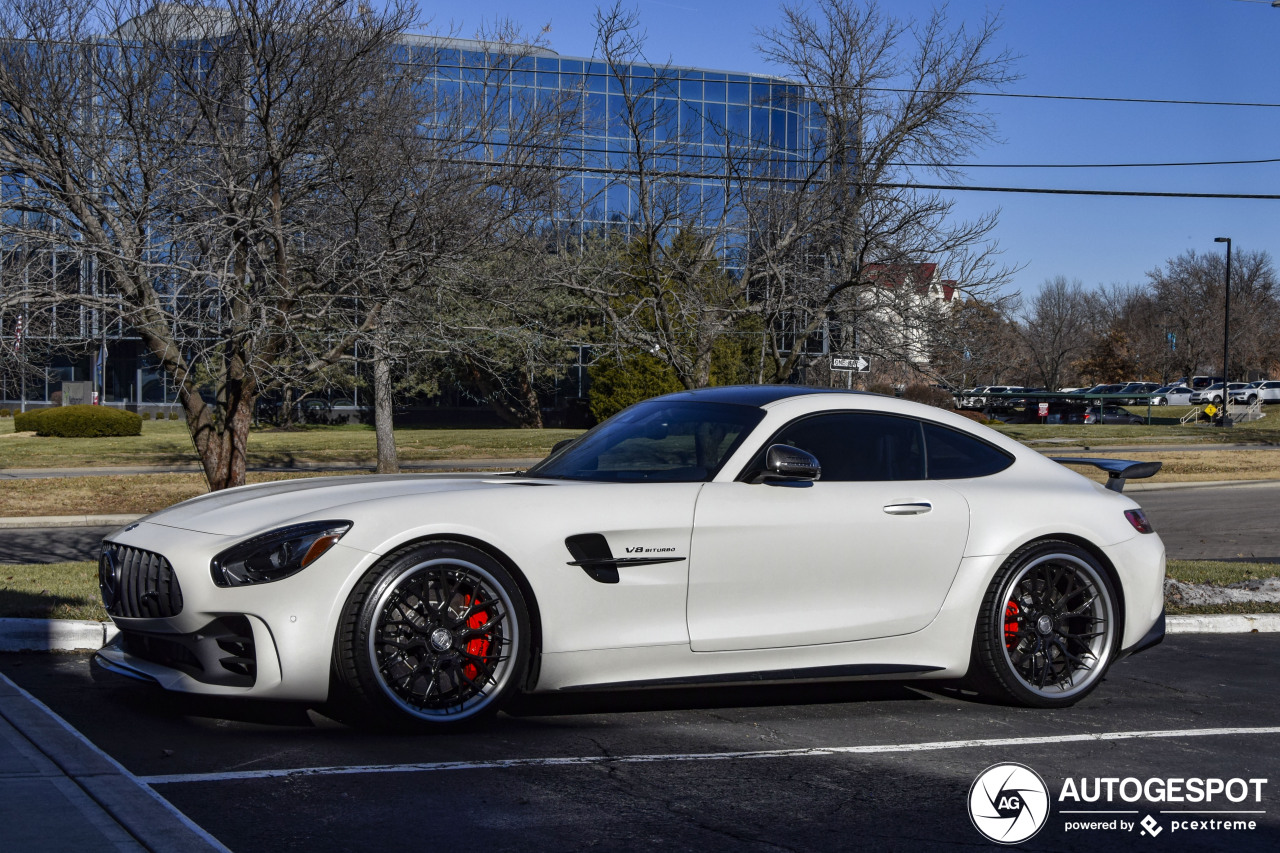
(1008, 803)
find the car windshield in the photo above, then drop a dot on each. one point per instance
(657, 441)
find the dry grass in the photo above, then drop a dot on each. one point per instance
(1219, 573)
(168, 443)
(124, 493)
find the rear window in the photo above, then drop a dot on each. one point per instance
(953, 455)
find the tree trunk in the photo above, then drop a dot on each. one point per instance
(383, 410)
(223, 447)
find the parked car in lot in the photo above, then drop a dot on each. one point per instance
(1100, 389)
(973, 398)
(1059, 412)
(1111, 415)
(1269, 391)
(1213, 394)
(1248, 394)
(1140, 390)
(733, 535)
(1173, 395)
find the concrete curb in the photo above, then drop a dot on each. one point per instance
(67, 521)
(50, 635)
(1224, 623)
(47, 635)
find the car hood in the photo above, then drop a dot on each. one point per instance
(251, 509)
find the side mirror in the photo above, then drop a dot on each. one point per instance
(560, 445)
(782, 462)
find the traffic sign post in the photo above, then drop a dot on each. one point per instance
(856, 364)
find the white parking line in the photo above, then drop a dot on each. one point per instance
(578, 760)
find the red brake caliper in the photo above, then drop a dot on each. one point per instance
(480, 645)
(1011, 625)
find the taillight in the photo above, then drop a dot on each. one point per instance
(1138, 519)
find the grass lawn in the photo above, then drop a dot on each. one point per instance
(169, 443)
(70, 590)
(112, 494)
(53, 591)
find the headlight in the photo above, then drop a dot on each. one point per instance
(276, 555)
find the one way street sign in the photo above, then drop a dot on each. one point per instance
(857, 364)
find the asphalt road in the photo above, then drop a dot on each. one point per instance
(818, 767)
(1237, 522)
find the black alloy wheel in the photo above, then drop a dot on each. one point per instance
(436, 634)
(1048, 628)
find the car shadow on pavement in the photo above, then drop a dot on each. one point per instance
(702, 698)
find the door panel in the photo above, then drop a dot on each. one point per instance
(787, 565)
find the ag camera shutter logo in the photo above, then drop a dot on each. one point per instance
(1008, 803)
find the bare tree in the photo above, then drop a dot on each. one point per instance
(181, 148)
(1187, 292)
(656, 274)
(1055, 329)
(838, 238)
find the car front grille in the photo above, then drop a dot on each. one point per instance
(137, 584)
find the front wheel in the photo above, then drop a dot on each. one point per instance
(1048, 628)
(436, 634)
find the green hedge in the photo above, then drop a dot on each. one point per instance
(79, 422)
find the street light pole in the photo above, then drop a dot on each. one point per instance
(1226, 334)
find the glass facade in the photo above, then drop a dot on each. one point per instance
(691, 123)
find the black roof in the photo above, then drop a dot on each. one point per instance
(752, 395)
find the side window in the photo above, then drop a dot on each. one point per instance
(953, 455)
(860, 446)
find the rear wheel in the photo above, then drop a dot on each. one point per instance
(436, 634)
(1048, 628)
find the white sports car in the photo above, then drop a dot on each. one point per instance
(727, 535)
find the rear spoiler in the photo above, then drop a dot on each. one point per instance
(1118, 470)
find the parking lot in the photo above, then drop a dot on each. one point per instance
(801, 767)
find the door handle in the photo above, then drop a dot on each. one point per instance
(915, 508)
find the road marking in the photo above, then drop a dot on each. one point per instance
(198, 830)
(579, 760)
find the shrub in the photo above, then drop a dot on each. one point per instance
(973, 416)
(173, 416)
(146, 416)
(26, 421)
(929, 395)
(615, 386)
(81, 422)
(4, 413)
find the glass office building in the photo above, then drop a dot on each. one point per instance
(691, 118)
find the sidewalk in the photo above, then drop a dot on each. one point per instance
(61, 794)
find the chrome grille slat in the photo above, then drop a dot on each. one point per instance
(143, 585)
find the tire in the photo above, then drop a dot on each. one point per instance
(435, 635)
(1048, 628)
(1163, 401)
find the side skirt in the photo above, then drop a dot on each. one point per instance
(815, 673)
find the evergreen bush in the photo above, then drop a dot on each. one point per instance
(80, 422)
(614, 385)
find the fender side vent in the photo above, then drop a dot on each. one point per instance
(591, 552)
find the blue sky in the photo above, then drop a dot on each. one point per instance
(1212, 50)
